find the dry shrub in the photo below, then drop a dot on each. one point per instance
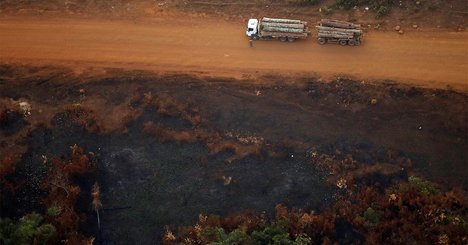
(7, 164)
(409, 214)
(165, 134)
(248, 220)
(167, 105)
(13, 115)
(96, 195)
(63, 194)
(399, 215)
(168, 238)
(214, 142)
(9, 104)
(79, 162)
(3, 116)
(240, 151)
(351, 171)
(7, 167)
(281, 211)
(83, 117)
(97, 204)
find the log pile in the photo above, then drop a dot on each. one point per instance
(271, 25)
(338, 29)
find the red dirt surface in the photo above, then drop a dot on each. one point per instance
(197, 44)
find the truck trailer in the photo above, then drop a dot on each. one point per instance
(277, 29)
(342, 32)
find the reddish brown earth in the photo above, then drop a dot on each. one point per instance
(168, 147)
(201, 44)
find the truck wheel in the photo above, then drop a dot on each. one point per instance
(255, 37)
(283, 39)
(358, 43)
(351, 43)
(291, 39)
(343, 42)
(322, 40)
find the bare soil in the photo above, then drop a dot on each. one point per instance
(197, 44)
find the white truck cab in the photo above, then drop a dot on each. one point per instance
(252, 27)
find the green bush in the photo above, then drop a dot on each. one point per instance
(382, 7)
(45, 233)
(383, 11)
(303, 239)
(423, 186)
(215, 234)
(277, 234)
(237, 236)
(371, 216)
(27, 229)
(347, 4)
(54, 211)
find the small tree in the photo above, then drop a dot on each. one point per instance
(96, 194)
(27, 230)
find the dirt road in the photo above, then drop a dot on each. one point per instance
(431, 59)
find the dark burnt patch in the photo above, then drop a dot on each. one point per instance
(11, 122)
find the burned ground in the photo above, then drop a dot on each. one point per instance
(165, 148)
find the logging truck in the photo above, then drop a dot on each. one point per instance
(277, 29)
(342, 32)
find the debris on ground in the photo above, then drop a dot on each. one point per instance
(25, 107)
(341, 183)
(227, 180)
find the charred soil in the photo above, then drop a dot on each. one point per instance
(166, 148)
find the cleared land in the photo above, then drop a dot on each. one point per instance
(187, 44)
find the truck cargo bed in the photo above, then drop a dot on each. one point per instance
(283, 28)
(342, 32)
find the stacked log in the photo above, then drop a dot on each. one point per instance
(339, 24)
(282, 29)
(325, 28)
(283, 25)
(270, 25)
(265, 19)
(339, 33)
